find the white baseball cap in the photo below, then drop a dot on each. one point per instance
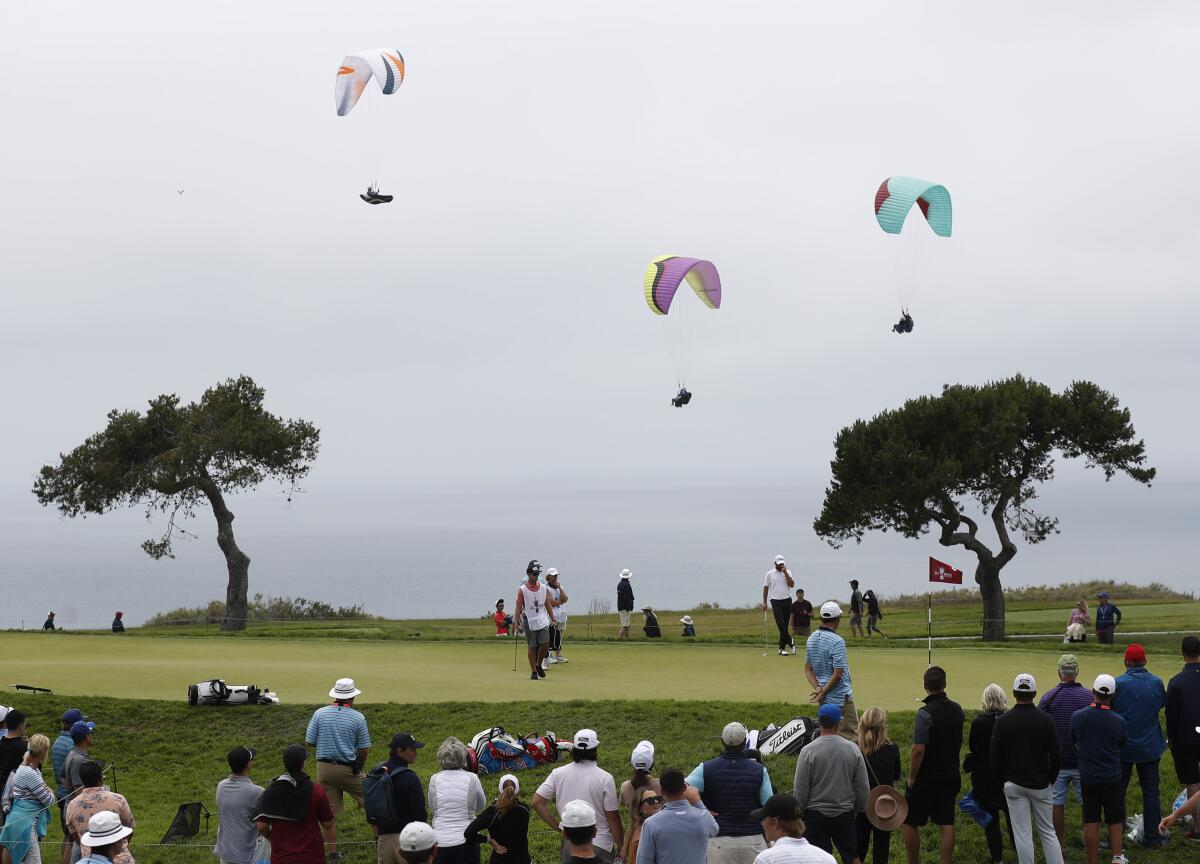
(733, 734)
(586, 739)
(831, 610)
(625, 574)
(779, 559)
(1024, 683)
(417, 837)
(1105, 685)
(4, 709)
(509, 778)
(577, 814)
(643, 755)
(553, 571)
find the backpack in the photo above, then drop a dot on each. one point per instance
(379, 801)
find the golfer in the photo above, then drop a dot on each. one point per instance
(534, 615)
(777, 591)
(856, 610)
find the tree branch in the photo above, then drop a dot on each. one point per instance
(1008, 549)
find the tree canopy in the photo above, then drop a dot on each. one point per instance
(911, 470)
(174, 456)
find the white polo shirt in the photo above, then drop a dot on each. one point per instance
(585, 781)
(793, 850)
(776, 584)
(560, 615)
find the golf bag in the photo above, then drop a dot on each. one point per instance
(497, 752)
(217, 692)
(789, 739)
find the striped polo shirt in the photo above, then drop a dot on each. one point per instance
(824, 652)
(339, 733)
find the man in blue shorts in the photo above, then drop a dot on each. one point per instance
(1061, 703)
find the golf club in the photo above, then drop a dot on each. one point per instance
(515, 640)
(765, 651)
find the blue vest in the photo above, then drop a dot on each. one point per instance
(731, 785)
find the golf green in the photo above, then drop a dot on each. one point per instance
(302, 670)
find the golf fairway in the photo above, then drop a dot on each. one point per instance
(301, 671)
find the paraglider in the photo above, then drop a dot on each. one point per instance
(357, 69)
(372, 196)
(662, 279)
(893, 201)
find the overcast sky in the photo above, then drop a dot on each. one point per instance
(487, 332)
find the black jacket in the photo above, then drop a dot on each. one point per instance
(1183, 705)
(624, 596)
(510, 830)
(884, 765)
(1024, 747)
(989, 788)
(407, 795)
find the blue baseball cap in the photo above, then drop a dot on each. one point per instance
(73, 716)
(830, 713)
(1103, 595)
(81, 730)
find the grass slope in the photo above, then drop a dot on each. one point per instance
(167, 753)
(301, 670)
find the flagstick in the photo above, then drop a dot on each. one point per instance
(929, 624)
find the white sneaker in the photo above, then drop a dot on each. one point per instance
(562, 659)
(782, 652)
(1119, 859)
(792, 648)
(545, 663)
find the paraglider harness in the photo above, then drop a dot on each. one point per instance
(904, 325)
(682, 398)
(372, 196)
(217, 692)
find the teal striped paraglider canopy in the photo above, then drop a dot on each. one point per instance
(897, 195)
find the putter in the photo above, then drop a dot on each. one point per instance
(765, 653)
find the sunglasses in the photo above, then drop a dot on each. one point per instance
(655, 799)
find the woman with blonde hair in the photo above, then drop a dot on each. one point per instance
(883, 769)
(506, 821)
(27, 800)
(649, 802)
(1079, 615)
(987, 787)
(455, 796)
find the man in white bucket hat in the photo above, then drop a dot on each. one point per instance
(339, 735)
(106, 836)
(624, 603)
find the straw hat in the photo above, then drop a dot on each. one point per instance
(686, 619)
(886, 808)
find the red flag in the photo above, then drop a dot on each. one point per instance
(940, 571)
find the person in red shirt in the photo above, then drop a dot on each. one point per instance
(503, 620)
(294, 813)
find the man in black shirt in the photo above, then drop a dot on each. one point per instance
(1026, 757)
(856, 610)
(407, 796)
(13, 745)
(933, 778)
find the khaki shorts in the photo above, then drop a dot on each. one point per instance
(389, 849)
(624, 616)
(735, 850)
(339, 779)
(849, 728)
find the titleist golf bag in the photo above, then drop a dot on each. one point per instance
(788, 739)
(217, 692)
(498, 752)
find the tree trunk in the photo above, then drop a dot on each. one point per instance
(987, 575)
(237, 561)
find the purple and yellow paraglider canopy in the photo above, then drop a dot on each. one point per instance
(665, 273)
